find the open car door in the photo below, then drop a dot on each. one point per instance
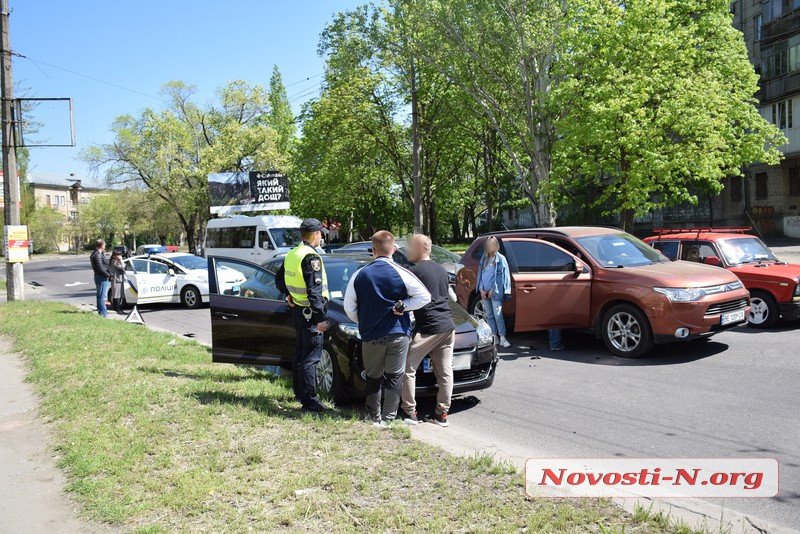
(551, 287)
(251, 323)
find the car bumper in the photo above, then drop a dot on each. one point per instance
(790, 310)
(681, 321)
(480, 375)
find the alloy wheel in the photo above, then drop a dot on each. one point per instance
(479, 312)
(190, 297)
(325, 373)
(624, 331)
(759, 311)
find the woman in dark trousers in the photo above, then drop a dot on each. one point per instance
(117, 270)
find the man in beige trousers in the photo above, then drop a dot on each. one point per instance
(434, 334)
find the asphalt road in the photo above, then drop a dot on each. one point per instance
(735, 395)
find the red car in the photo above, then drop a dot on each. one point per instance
(774, 285)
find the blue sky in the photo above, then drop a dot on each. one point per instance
(140, 45)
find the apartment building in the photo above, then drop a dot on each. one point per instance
(769, 195)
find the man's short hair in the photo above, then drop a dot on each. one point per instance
(383, 243)
(307, 236)
(99, 243)
(424, 242)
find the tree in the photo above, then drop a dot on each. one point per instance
(46, 226)
(105, 216)
(658, 105)
(502, 53)
(281, 117)
(171, 152)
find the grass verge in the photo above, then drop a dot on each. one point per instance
(156, 438)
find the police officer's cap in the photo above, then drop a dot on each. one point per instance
(313, 225)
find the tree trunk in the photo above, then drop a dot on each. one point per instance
(626, 219)
(432, 221)
(415, 149)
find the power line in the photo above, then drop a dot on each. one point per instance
(304, 93)
(309, 78)
(37, 62)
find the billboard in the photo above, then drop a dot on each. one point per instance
(243, 192)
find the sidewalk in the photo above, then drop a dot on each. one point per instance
(32, 498)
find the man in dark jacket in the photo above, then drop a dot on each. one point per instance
(102, 276)
(379, 297)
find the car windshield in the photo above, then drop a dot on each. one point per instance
(339, 273)
(285, 237)
(620, 250)
(745, 250)
(190, 262)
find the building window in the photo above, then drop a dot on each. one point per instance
(736, 188)
(782, 114)
(794, 182)
(762, 190)
(757, 27)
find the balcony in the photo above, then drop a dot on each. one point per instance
(778, 88)
(780, 28)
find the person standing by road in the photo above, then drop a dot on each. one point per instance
(102, 275)
(494, 286)
(378, 298)
(303, 280)
(434, 334)
(117, 270)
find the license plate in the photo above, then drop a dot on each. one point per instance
(460, 362)
(732, 317)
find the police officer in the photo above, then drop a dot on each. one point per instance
(302, 278)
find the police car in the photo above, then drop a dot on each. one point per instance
(172, 277)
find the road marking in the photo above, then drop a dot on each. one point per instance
(73, 284)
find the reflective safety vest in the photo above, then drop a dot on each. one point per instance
(293, 273)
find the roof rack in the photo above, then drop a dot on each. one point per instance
(701, 229)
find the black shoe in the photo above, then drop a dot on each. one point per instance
(314, 406)
(438, 419)
(409, 419)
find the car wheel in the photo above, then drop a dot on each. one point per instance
(476, 308)
(190, 297)
(330, 382)
(763, 310)
(626, 331)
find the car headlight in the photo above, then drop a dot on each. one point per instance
(485, 336)
(350, 329)
(681, 294)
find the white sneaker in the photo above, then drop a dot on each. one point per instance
(504, 342)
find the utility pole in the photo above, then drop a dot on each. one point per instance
(11, 196)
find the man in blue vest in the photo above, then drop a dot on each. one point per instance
(303, 280)
(379, 297)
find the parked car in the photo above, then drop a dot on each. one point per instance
(609, 282)
(439, 254)
(150, 249)
(172, 277)
(252, 324)
(257, 239)
(774, 285)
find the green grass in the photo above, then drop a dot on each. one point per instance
(155, 438)
(2, 284)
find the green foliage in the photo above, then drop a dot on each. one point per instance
(658, 105)
(281, 117)
(46, 228)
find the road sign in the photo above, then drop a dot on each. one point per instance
(16, 243)
(134, 317)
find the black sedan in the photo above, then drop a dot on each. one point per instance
(252, 324)
(440, 255)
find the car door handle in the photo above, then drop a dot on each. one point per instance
(226, 316)
(528, 288)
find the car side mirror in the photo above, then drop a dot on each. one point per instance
(578, 267)
(712, 260)
(171, 271)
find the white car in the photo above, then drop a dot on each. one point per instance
(172, 277)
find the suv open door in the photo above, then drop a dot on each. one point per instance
(552, 288)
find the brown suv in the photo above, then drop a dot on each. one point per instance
(608, 281)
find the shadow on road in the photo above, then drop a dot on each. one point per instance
(585, 348)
